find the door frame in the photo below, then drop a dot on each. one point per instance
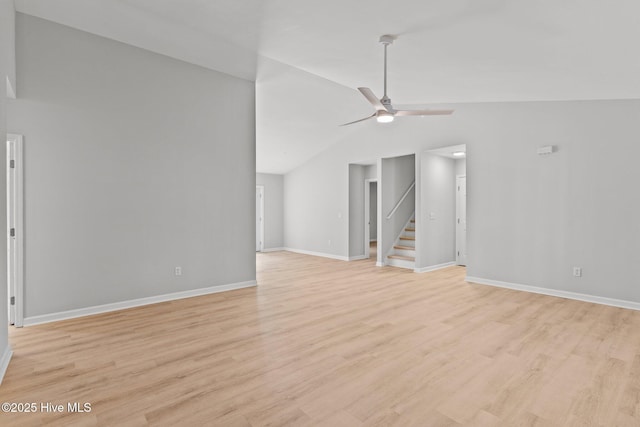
(260, 188)
(367, 215)
(15, 220)
(458, 237)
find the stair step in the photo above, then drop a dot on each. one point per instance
(404, 252)
(410, 229)
(413, 221)
(406, 258)
(404, 247)
(407, 238)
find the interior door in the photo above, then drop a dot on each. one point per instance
(461, 220)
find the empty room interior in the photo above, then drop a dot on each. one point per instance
(337, 213)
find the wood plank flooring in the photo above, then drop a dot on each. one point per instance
(331, 343)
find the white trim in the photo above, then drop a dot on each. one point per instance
(461, 240)
(272, 250)
(105, 308)
(379, 255)
(367, 214)
(4, 361)
(557, 293)
(433, 267)
(18, 223)
(357, 257)
(367, 209)
(261, 189)
(320, 254)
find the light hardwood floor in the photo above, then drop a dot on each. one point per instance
(332, 343)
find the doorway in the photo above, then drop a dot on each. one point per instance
(370, 217)
(443, 179)
(15, 254)
(259, 218)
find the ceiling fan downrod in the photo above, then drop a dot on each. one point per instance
(385, 112)
(386, 40)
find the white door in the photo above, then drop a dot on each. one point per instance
(259, 218)
(461, 220)
(14, 228)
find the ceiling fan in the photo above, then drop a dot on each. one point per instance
(385, 112)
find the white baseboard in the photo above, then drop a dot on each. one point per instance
(320, 254)
(105, 308)
(272, 250)
(380, 264)
(4, 361)
(557, 293)
(358, 257)
(433, 267)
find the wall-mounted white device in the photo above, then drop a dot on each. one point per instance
(546, 149)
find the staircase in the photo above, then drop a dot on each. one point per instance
(403, 253)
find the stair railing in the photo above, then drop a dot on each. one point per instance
(404, 196)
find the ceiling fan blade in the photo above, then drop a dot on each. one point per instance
(361, 120)
(372, 98)
(423, 112)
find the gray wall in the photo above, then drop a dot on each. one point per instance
(396, 176)
(273, 209)
(371, 172)
(7, 68)
(530, 218)
(461, 166)
(135, 163)
(8, 44)
(437, 234)
(316, 206)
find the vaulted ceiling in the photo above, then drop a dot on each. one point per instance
(307, 57)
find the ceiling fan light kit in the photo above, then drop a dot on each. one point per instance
(385, 113)
(382, 117)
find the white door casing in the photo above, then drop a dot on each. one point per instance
(461, 219)
(15, 244)
(367, 215)
(259, 218)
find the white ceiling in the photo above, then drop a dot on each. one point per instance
(448, 151)
(448, 51)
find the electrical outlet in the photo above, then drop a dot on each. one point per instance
(178, 271)
(577, 271)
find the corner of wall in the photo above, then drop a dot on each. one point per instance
(7, 68)
(5, 358)
(9, 46)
